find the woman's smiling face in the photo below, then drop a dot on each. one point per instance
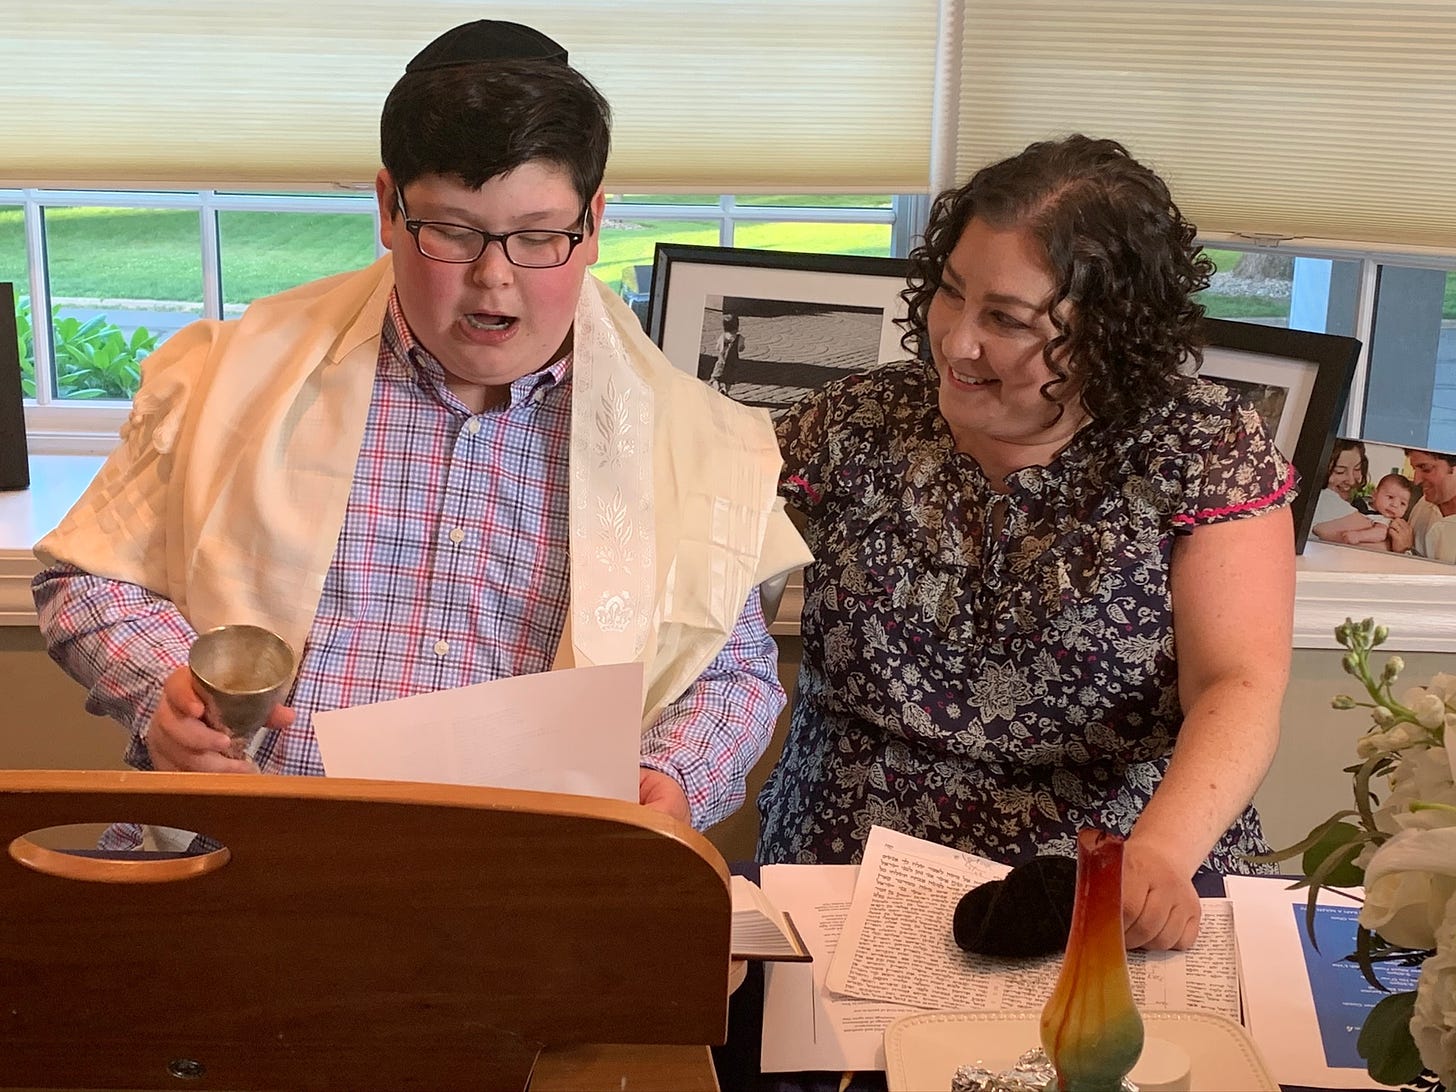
(989, 326)
(1345, 473)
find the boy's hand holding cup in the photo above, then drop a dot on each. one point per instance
(240, 672)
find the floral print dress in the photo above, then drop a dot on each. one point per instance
(994, 680)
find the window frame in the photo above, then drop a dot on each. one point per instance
(55, 426)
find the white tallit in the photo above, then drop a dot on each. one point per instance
(228, 489)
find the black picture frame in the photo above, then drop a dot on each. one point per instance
(840, 313)
(1312, 370)
(14, 455)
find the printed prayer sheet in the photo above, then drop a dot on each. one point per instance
(897, 943)
(805, 1027)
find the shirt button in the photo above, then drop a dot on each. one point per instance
(442, 647)
(472, 426)
(457, 535)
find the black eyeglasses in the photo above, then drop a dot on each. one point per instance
(532, 248)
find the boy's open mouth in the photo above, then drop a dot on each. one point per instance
(485, 320)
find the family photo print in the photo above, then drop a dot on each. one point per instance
(1387, 498)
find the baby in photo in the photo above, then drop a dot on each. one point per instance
(1391, 500)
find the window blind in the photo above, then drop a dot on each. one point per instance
(1325, 119)
(709, 95)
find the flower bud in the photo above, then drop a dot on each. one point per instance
(1382, 716)
(1393, 667)
(1380, 635)
(1343, 701)
(1351, 663)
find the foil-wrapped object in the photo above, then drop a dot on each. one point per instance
(1033, 1072)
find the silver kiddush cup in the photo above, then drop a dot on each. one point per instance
(240, 672)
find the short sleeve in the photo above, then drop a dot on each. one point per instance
(816, 440)
(1237, 472)
(801, 442)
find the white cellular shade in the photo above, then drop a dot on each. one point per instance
(708, 95)
(1329, 119)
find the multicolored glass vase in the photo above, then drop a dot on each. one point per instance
(1090, 1027)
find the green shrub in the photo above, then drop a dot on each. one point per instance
(94, 359)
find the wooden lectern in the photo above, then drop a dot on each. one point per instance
(357, 935)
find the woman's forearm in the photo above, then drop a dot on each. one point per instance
(1224, 749)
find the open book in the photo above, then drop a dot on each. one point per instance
(761, 930)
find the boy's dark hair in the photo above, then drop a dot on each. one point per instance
(1409, 485)
(474, 122)
(1119, 251)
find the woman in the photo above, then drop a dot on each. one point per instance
(1348, 474)
(1054, 577)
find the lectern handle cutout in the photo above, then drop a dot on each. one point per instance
(71, 866)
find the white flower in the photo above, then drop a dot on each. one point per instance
(1392, 739)
(1408, 883)
(1445, 685)
(1421, 774)
(1433, 1024)
(1429, 708)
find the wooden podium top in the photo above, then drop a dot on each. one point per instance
(351, 935)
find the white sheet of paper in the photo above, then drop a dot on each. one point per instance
(572, 731)
(1282, 1015)
(898, 945)
(805, 1027)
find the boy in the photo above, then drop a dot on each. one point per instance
(461, 463)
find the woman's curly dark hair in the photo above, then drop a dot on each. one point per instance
(1120, 252)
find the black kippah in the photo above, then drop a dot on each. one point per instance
(486, 40)
(1029, 913)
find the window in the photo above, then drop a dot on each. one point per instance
(121, 272)
(121, 280)
(1404, 314)
(266, 252)
(13, 271)
(1410, 392)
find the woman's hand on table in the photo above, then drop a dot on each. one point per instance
(179, 740)
(1160, 907)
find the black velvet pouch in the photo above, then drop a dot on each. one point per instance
(1029, 913)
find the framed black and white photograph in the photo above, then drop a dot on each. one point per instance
(767, 327)
(1298, 381)
(1388, 499)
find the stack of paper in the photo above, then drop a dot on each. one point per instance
(881, 937)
